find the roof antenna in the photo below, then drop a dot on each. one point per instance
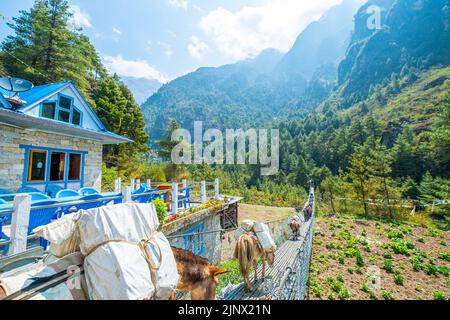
(15, 86)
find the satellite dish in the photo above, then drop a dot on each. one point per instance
(15, 85)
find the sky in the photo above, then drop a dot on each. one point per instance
(163, 39)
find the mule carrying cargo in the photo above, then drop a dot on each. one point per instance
(124, 257)
(262, 232)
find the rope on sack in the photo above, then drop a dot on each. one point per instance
(143, 247)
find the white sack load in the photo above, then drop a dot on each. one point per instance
(265, 238)
(62, 235)
(125, 257)
(33, 280)
(246, 226)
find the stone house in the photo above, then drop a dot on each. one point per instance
(51, 136)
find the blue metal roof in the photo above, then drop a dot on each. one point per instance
(36, 93)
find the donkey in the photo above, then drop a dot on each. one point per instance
(295, 227)
(198, 276)
(248, 251)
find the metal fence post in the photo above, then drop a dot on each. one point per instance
(203, 191)
(120, 184)
(174, 198)
(184, 184)
(126, 195)
(19, 224)
(149, 183)
(133, 184)
(216, 189)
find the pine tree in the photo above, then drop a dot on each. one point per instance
(166, 145)
(380, 162)
(440, 140)
(359, 175)
(44, 49)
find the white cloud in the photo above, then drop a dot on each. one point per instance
(275, 24)
(197, 48)
(179, 3)
(79, 19)
(133, 68)
(117, 31)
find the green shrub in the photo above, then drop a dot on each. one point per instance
(388, 265)
(359, 259)
(417, 263)
(387, 295)
(445, 256)
(344, 294)
(161, 209)
(398, 278)
(395, 234)
(350, 270)
(421, 240)
(387, 255)
(431, 269)
(439, 296)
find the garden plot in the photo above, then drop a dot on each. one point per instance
(360, 260)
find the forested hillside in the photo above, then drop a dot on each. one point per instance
(389, 143)
(252, 93)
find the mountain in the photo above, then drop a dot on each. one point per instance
(141, 88)
(253, 92)
(322, 42)
(413, 34)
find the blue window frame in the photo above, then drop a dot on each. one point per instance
(194, 239)
(53, 166)
(62, 109)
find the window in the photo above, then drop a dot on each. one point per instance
(74, 166)
(76, 117)
(48, 110)
(65, 103)
(64, 116)
(57, 166)
(63, 111)
(37, 165)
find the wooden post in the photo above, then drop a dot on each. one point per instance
(203, 191)
(116, 186)
(126, 195)
(133, 185)
(174, 198)
(216, 189)
(19, 224)
(138, 183)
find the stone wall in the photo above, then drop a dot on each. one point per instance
(12, 157)
(206, 243)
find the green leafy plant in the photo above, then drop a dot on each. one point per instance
(431, 269)
(161, 209)
(359, 259)
(445, 256)
(344, 294)
(439, 296)
(387, 295)
(388, 265)
(417, 263)
(398, 278)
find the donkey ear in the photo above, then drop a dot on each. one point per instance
(215, 271)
